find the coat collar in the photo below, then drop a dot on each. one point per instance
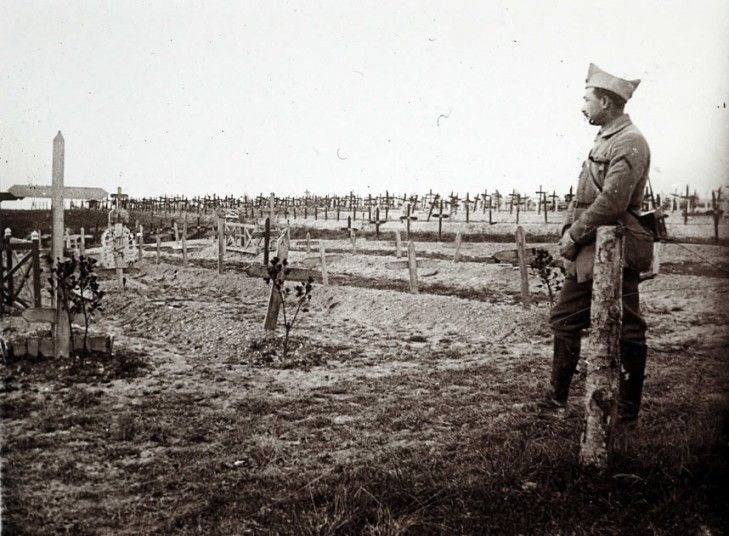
(616, 125)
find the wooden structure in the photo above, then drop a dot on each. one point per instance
(602, 349)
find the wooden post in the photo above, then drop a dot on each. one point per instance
(141, 241)
(521, 254)
(62, 327)
(221, 243)
(466, 211)
(716, 213)
(57, 200)
(308, 242)
(184, 241)
(119, 247)
(457, 254)
(177, 232)
(398, 245)
(657, 254)
(413, 268)
(323, 257)
(159, 246)
(82, 242)
(353, 239)
(602, 351)
(407, 220)
(440, 219)
(9, 265)
(266, 240)
(35, 250)
(274, 299)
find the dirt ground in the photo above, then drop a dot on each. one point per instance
(392, 413)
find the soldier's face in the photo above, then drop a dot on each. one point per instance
(593, 109)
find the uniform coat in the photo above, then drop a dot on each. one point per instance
(609, 192)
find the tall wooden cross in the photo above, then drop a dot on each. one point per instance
(542, 195)
(57, 192)
(554, 198)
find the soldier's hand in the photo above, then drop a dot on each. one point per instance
(567, 247)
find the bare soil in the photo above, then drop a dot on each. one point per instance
(392, 413)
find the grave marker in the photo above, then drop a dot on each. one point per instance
(323, 257)
(521, 252)
(457, 254)
(413, 268)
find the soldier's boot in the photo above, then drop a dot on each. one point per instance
(564, 363)
(632, 374)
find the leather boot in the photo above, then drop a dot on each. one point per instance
(632, 374)
(564, 363)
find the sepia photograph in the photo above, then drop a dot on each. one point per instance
(364, 268)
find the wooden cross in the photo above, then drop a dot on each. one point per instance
(542, 194)
(498, 197)
(689, 200)
(436, 198)
(512, 195)
(407, 218)
(57, 192)
(568, 197)
(554, 198)
(377, 222)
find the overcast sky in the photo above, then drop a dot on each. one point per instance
(232, 97)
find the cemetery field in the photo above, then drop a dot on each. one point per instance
(393, 412)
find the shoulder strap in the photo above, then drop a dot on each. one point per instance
(592, 178)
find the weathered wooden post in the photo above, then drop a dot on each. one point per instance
(177, 232)
(221, 243)
(8, 264)
(407, 220)
(274, 299)
(440, 219)
(266, 240)
(119, 247)
(716, 212)
(158, 240)
(184, 241)
(413, 268)
(141, 240)
(62, 326)
(457, 254)
(82, 242)
(602, 351)
(308, 242)
(353, 239)
(35, 252)
(323, 258)
(521, 254)
(398, 244)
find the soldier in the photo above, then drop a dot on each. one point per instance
(609, 192)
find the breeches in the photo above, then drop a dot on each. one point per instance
(571, 313)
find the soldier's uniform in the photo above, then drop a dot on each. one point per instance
(609, 192)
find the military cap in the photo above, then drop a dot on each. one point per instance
(596, 77)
